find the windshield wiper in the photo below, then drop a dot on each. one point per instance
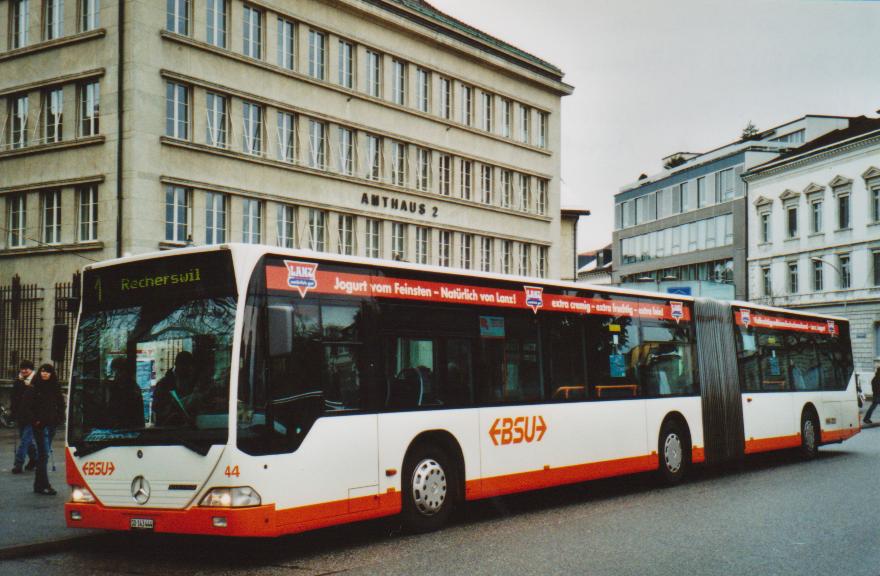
(81, 449)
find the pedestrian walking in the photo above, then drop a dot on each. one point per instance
(22, 414)
(47, 414)
(875, 392)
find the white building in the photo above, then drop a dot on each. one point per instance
(814, 231)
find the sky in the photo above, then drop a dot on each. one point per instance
(657, 77)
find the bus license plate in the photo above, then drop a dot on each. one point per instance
(141, 523)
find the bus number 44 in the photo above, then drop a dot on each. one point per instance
(232, 471)
(515, 430)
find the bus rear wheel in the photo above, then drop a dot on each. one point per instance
(430, 488)
(809, 435)
(675, 453)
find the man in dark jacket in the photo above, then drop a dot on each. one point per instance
(22, 413)
(875, 391)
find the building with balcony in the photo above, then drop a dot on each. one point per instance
(684, 229)
(814, 231)
(381, 128)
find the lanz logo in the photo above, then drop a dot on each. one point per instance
(534, 297)
(301, 275)
(516, 430)
(832, 327)
(676, 310)
(745, 317)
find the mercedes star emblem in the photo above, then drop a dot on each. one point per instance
(140, 490)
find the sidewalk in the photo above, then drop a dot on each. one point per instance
(32, 523)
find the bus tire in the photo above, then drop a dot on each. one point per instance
(675, 452)
(430, 488)
(809, 435)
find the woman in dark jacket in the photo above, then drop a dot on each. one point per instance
(48, 412)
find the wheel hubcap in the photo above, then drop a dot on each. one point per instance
(809, 435)
(429, 487)
(672, 452)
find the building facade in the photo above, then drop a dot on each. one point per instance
(684, 229)
(814, 232)
(382, 128)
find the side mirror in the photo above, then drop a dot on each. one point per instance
(60, 339)
(280, 329)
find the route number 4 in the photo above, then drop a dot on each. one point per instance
(232, 471)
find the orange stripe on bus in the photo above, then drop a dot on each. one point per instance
(837, 435)
(698, 455)
(754, 445)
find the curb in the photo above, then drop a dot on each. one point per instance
(49, 546)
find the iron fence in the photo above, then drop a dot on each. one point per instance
(21, 325)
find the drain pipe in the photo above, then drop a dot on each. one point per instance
(120, 85)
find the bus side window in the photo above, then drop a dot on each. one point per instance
(565, 341)
(411, 382)
(774, 361)
(613, 357)
(666, 361)
(458, 383)
(803, 363)
(510, 359)
(749, 359)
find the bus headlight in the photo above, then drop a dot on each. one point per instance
(81, 495)
(237, 497)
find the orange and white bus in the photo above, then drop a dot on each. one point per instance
(250, 391)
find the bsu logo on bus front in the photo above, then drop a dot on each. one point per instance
(301, 275)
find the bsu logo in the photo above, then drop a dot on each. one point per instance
(515, 430)
(301, 275)
(534, 297)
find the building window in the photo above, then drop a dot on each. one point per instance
(816, 216)
(177, 111)
(16, 220)
(766, 282)
(215, 105)
(424, 95)
(317, 229)
(875, 204)
(525, 119)
(467, 178)
(845, 271)
(524, 253)
(345, 242)
(399, 82)
(792, 277)
(89, 105)
(467, 105)
(216, 26)
(542, 261)
(485, 254)
(765, 227)
(791, 215)
(286, 48)
(317, 145)
(251, 220)
(317, 55)
(346, 151)
(445, 174)
(398, 163)
(398, 241)
(542, 129)
(525, 193)
(444, 245)
(20, 23)
(702, 200)
(177, 16)
(252, 27)
(54, 19)
(374, 74)
(423, 158)
(542, 196)
(875, 258)
(487, 111)
(252, 128)
(507, 256)
(818, 276)
(88, 213)
(90, 11)
(346, 64)
(506, 188)
(373, 238)
(215, 218)
(446, 98)
(725, 188)
(286, 225)
(467, 248)
(506, 117)
(177, 214)
(374, 157)
(423, 243)
(286, 136)
(843, 211)
(19, 113)
(486, 187)
(51, 217)
(683, 197)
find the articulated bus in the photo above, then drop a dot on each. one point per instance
(244, 390)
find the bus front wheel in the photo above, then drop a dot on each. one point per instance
(430, 488)
(809, 435)
(675, 452)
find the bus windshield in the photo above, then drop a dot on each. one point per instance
(152, 359)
